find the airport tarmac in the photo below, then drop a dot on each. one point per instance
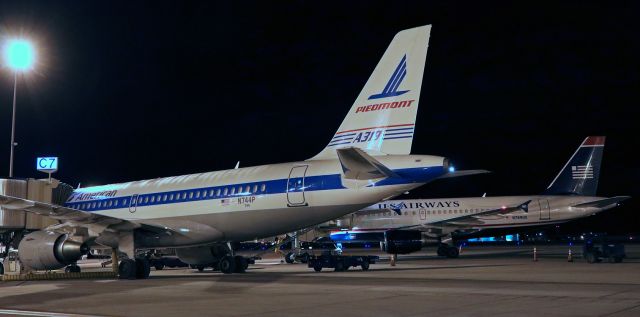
(483, 282)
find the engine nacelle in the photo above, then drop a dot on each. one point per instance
(205, 255)
(402, 241)
(48, 250)
(196, 255)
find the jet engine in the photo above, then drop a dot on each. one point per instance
(196, 255)
(402, 241)
(48, 250)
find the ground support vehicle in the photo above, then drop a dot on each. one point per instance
(340, 262)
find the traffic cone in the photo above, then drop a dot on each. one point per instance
(535, 254)
(570, 257)
(393, 260)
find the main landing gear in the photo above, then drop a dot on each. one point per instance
(233, 264)
(134, 269)
(448, 251)
(73, 268)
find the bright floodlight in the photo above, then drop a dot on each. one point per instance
(19, 54)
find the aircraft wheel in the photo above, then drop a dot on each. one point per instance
(317, 266)
(442, 250)
(290, 258)
(241, 264)
(1, 268)
(143, 268)
(127, 269)
(227, 264)
(200, 268)
(159, 267)
(452, 252)
(72, 269)
(365, 265)
(304, 258)
(339, 267)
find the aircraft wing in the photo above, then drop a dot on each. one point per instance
(61, 213)
(464, 173)
(602, 202)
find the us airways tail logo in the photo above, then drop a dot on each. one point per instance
(391, 89)
(582, 172)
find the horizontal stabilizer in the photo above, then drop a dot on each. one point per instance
(356, 164)
(602, 202)
(464, 173)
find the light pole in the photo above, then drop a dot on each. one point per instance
(19, 56)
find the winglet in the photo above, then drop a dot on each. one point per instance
(356, 164)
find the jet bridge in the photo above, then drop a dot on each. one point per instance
(14, 222)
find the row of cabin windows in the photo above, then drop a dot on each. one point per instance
(433, 212)
(204, 193)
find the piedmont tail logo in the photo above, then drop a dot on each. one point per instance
(391, 89)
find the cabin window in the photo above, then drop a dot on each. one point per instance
(406, 213)
(93, 205)
(146, 200)
(171, 197)
(191, 195)
(184, 195)
(217, 192)
(115, 203)
(153, 199)
(211, 193)
(226, 190)
(255, 188)
(233, 190)
(247, 189)
(110, 203)
(413, 213)
(239, 190)
(204, 194)
(263, 188)
(125, 202)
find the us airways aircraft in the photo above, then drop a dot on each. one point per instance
(571, 195)
(367, 160)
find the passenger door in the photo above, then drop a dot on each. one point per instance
(295, 186)
(133, 204)
(545, 210)
(423, 214)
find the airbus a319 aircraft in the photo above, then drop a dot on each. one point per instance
(571, 195)
(367, 160)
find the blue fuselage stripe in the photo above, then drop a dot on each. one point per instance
(233, 191)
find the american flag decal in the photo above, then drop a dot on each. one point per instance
(225, 202)
(582, 171)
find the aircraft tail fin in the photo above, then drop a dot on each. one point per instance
(382, 119)
(580, 174)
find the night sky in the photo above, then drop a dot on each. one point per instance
(129, 90)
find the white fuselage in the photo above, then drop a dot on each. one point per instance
(253, 202)
(422, 212)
